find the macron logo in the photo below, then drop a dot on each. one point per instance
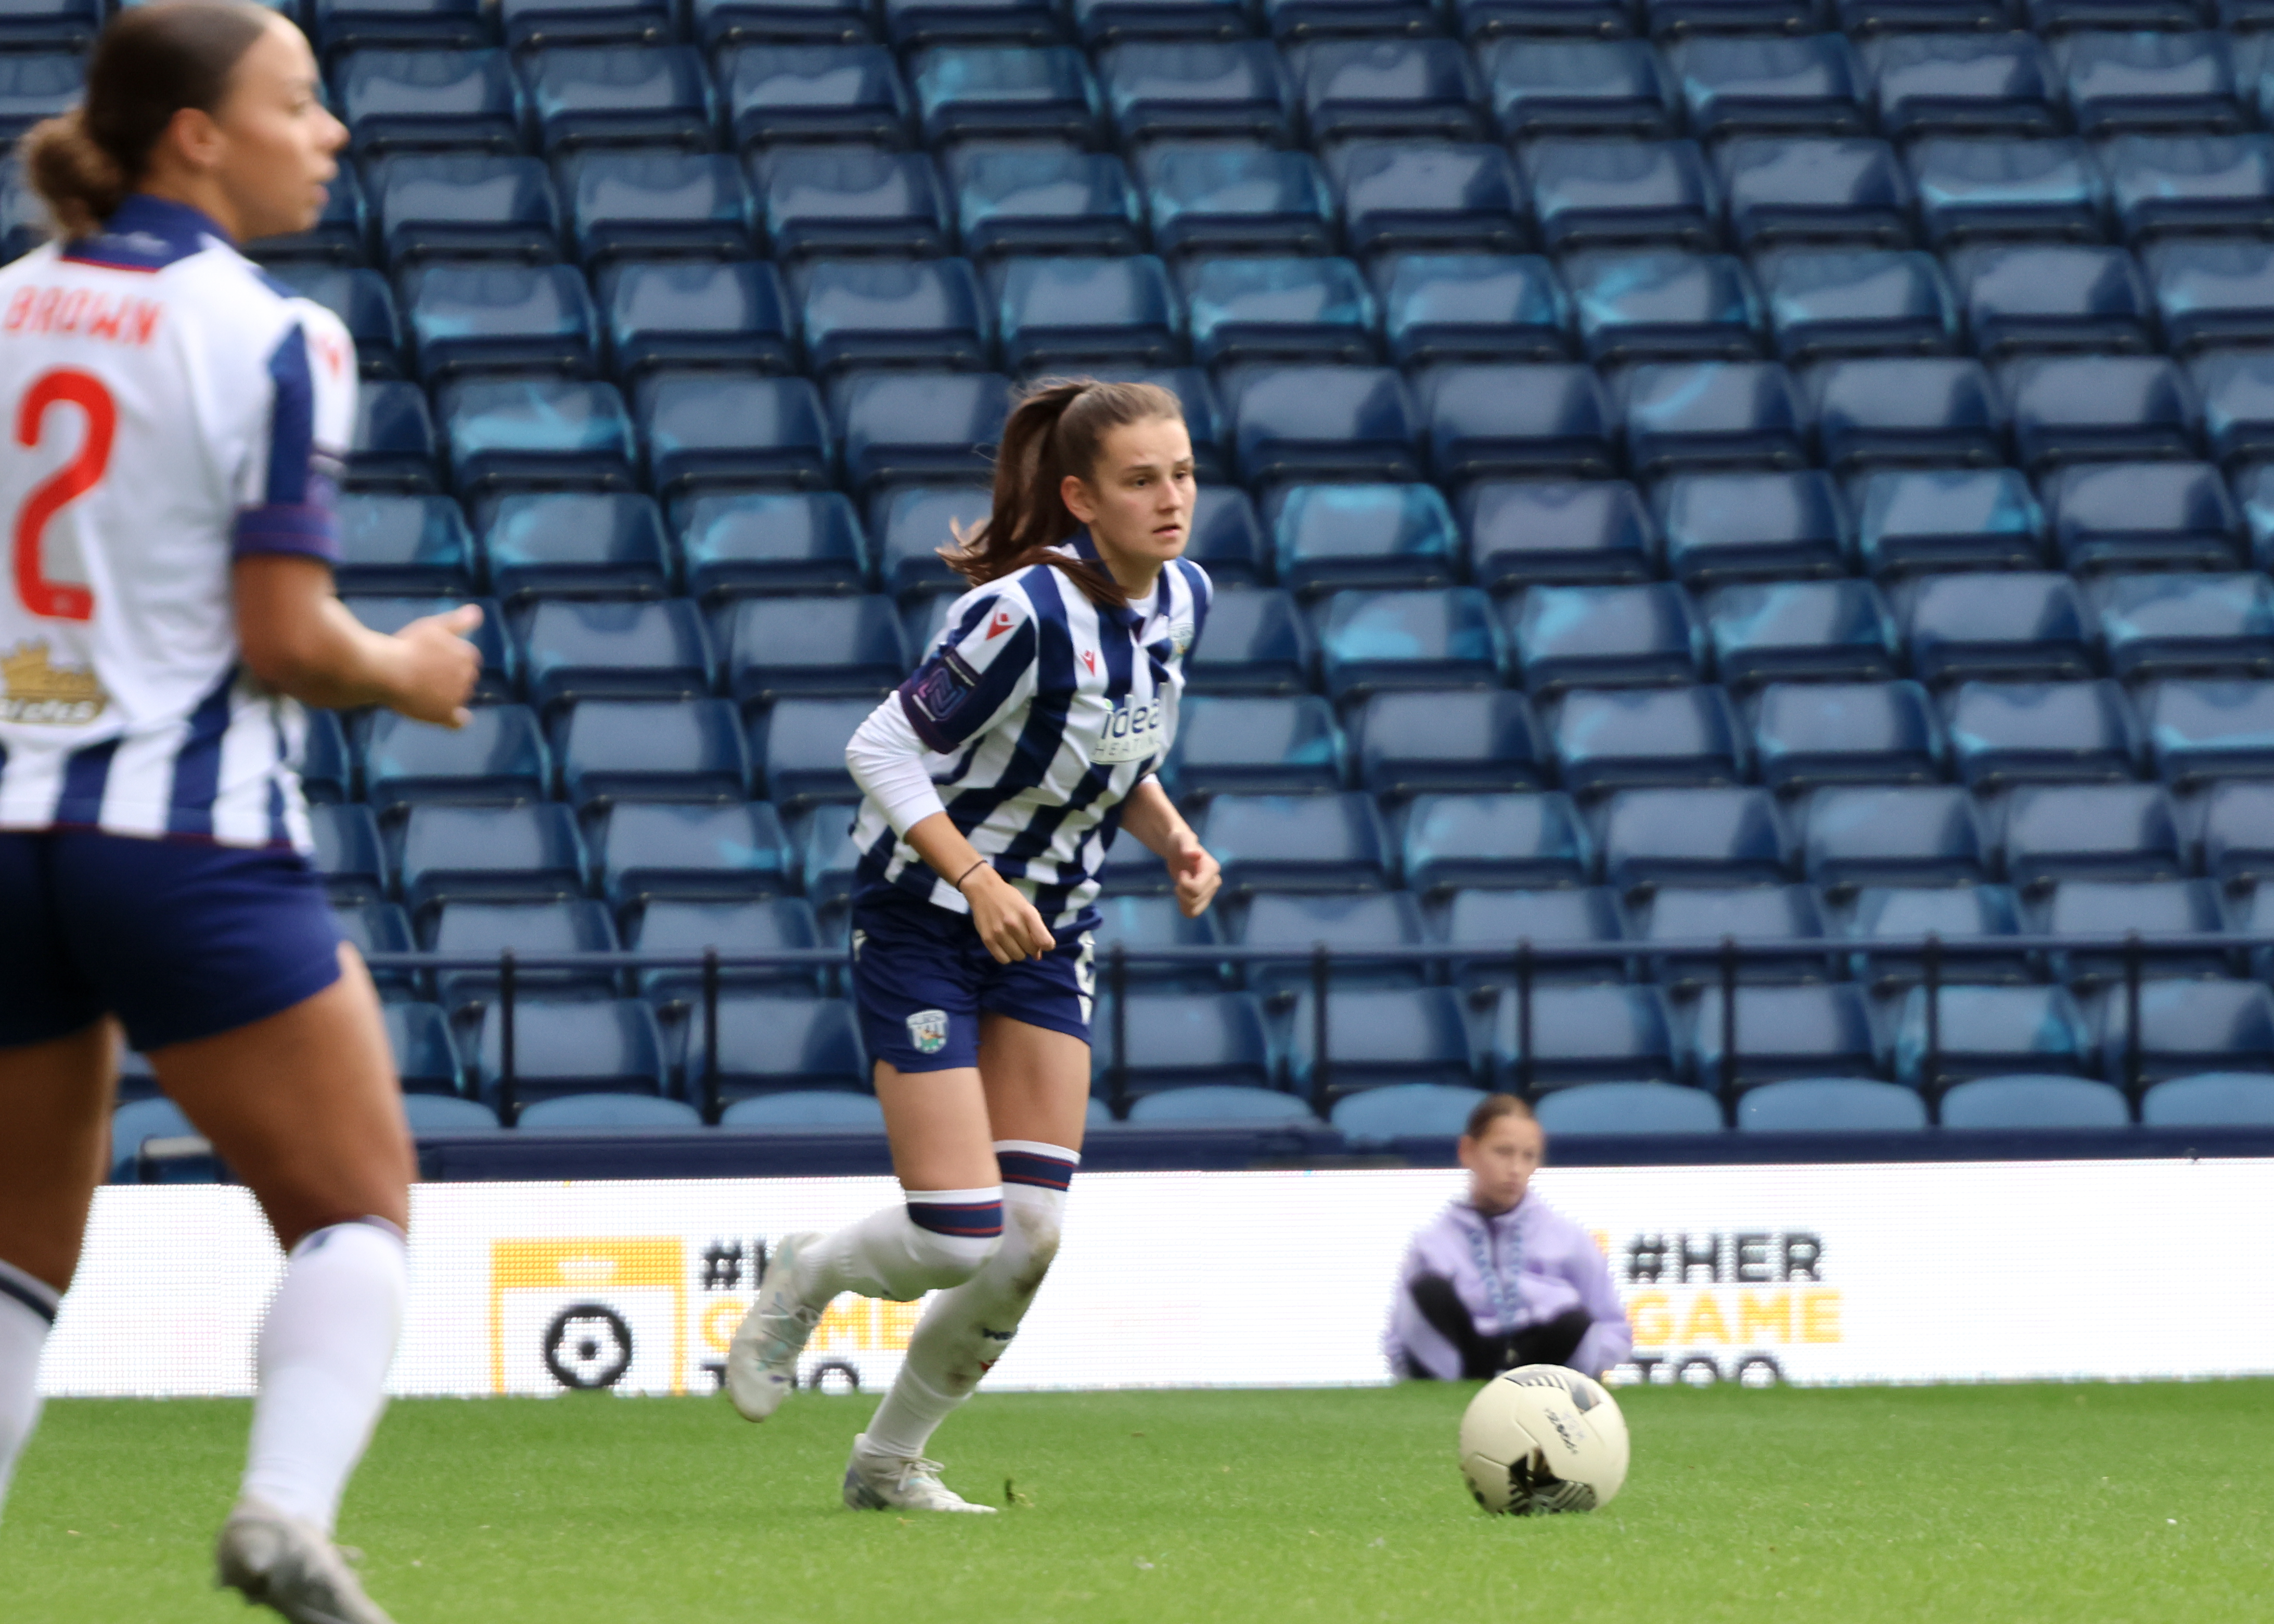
(996, 627)
(1089, 661)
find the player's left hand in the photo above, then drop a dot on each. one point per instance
(1198, 878)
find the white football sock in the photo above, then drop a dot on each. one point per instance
(324, 1352)
(934, 1238)
(28, 1308)
(966, 1330)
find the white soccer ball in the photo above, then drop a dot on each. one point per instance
(1541, 1438)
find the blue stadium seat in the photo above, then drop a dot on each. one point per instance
(1548, 87)
(1330, 842)
(814, 93)
(489, 854)
(2237, 388)
(712, 430)
(2028, 626)
(1068, 312)
(2052, 295)
(693, 312)
(464, 205)
(1544, 531)
(486, 317)
(1492, 837)
(1482, 929)
(428, 1115)
(1254, 745)
(1351, 925)
(568, 1047)
(347, 853)
(340, 26)
(488, 930)
(35, 85)
(2249, 906)
(2181, 183)
(576, 651)
(1868, 301)
(1604, 636)
(1784, 1033)
(1257, 642)
(2110, 832)
(802, 752)
(1947, 519)
(24, 223)
(1996, 186)
(394, 100)
(2071, 409)
(1811, 733)
(393, 446)
(1693, 837)
(967, 93)
(1724, 527)
(1434, 639)
(1482, 20)
(717, 23)
(839, 645)
(1905, 410)
(1622, 1109)
(2215, 292)
(1228, 196)
(1328, 537)
(1227, 541)
(887, 313)
(1583, 1034)
(674, 927)
(498, 756)
(910, 524)
(1381, 1117)
(1781, 189)
(1831, 1105)
(908, 24)
(1673, 18)
(1197, 89)
(1471, 307)
(1340, 422)
(2179, 625)
(413, 544)
(807, 1109)
(1025, 198)
(1685, 416)
(1907, 912)
(777, 1044)
(1731, 913)
(1964, 84)
(1664, 304)
(2143, 514)
(2201, 731)
(1824, 630)
(501, 676)
(652, 849)
(2027, 1103)
(904, 426)
(2004, 733)
(645, 749)
(827, 862)
(590, 96)
(1909, 835)
(1518, 419)
(362, 300)
(509, 432)
(609, 1113)
(1588, 191)
(326, 764)
(1378, 1038)
(1218, 1106)
(2210, 1100)
(534, 24)
(1109, 22)
(656, 201)
(1278, 310)
(370, 927)
(340, 236)
(51, 25)
(1420, 196)
(1205, 416)
(1990, 1031)
(1138, 922)
(2117, 907)
(849, 199)
(1186, 1039)
(1617, 739)
(1383, 86)
(135, 1125)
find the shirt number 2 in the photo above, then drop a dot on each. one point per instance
(60, 600)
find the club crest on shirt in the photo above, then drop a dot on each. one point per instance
(1131, 732)
(928, 1031)
(35, 689)
(1180, 634)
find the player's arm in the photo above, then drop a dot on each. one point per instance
(300, 639)
(1150, 817)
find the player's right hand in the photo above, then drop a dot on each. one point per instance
(439, 667)
(1006, 921)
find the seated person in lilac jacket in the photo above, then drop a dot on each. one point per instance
(1500, 1279)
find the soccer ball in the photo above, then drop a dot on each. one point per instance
(1541, 1438)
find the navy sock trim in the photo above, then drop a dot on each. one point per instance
(24, 1295)
(975, 1219)
(1023, 1167)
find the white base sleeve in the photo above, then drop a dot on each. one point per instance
(886, 759)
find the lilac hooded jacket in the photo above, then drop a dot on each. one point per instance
(1517, 1268)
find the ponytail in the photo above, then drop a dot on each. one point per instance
(81, 183)
(1058, 428)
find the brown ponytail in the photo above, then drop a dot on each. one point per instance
(1058, 428)
(150, 64)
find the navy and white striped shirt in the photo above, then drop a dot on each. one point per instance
(1040, 712)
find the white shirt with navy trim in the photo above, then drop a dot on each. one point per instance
(171, 409)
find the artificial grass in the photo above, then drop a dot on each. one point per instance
(2076, 1504)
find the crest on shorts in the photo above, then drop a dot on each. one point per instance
(928, 1031)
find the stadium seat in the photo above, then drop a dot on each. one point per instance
(1906, 913)
(2237, 388)
(2199, 730)
(1258, 641)
(1731, 913)
(1481, 20)
(1857, 301)
(1990, 1032)
(1340, 422)
(1721, 527)
(574, 543)
(882, 312)
(777, 1044)
(51, 25)
(2069, 408)
(1420, 196)
(836, 198)
(1675, 18)
(1460, 740)
(414, 545)
(839, 645)
(137, 1123)
(347, 853)
(1471, 307)
(1381, 1116)
(814, 93)
(1616, 739)
(1663, 304)
(608, 1113)
(645, 749)
(1380, 86)
(2027, 1103)
(799, 744)
(705, 430)
(676, 927)
(2005, 733)
(431, 1114)
(1984, 518)
(1783, 1034)
(1075, 311)
(1028, 198)
(2237, 832)
(2212, 1100)
(910, 524)
(1518, 420)
(1803, 188)
(1732, 85)
(827, 860)
(1205, 416)
(2213, 292)
(566, 1047)
(2181, 184)
(1109, 22)
(1905, 410)
(1688, 415)
(340, 236)
(1576, 87)
(489, 854)
(1135, 923)
(1378, 1038)
(1591, 191)
(1810, 734)
(582, 96)
(1228, 197)
(1964, 84)
(373, 927)
(806, 1109)
(1483, 928)
(1330, 842)
(910, 24)
(1970, 186)
(1522, 532)
(327, 764)
(1197, 90)
(655, 201)
(1432, 639)
(500, 674)
(395, 101)
(1278, 310)
(2019, 627)
(464, 205)
(488, 930)
(1226, 540)
(1254, 745)
(1693, 837)
(2052, 295)
(499, 756)
(1628, 1108)
(362, 299)
(1350, 925)
(1217, 1105)
(2187, 625)
(1492, 837)
(506, 432)
(977, 92)
(575, 651)
(533, 24)
(694, 853)
(1826, 630)
(1831, 1105)
(1185, 1040)
(393, 445)
(1604, 636)
(1900, 835)
(1583, 1034)
(2117, 907)
(687, 312)
(716, 23)
(2109, 831)
(2151, 81)
(897, 427)
(2115, 515)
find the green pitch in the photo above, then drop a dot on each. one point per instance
(2079, 1505)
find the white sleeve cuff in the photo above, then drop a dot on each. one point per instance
(886, 759)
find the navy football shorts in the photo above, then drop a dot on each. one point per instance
(922, 978)
(179, 940)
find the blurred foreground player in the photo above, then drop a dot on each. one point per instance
(177, 421)
(995, 780)
(1500, 1279)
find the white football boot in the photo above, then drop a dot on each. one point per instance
(283, 1562)
(762, 1363)
(877, 1482)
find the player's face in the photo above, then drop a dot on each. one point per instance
(1502, 1161)
(275, 157)
(1138, 500)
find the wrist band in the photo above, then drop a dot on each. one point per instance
(967, 873)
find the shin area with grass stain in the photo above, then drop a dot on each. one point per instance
(2013, 1504)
